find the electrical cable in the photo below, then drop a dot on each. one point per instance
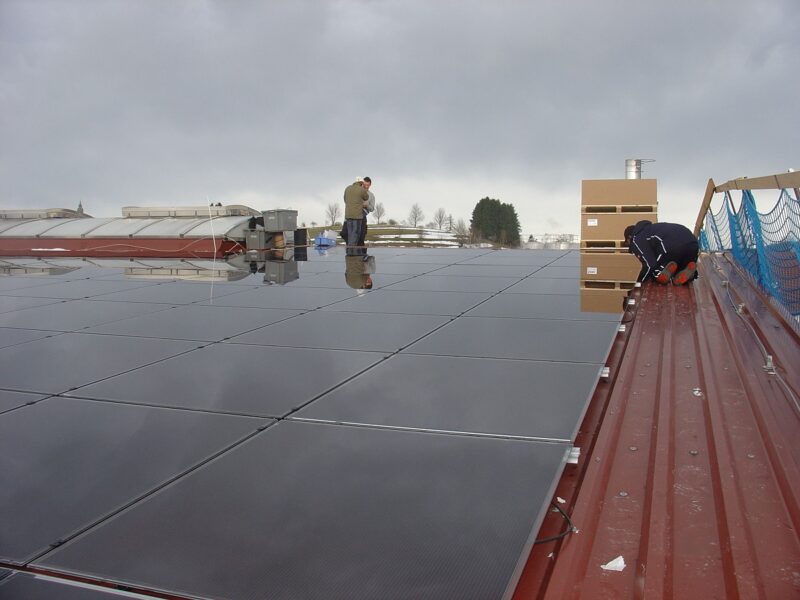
(570, 528)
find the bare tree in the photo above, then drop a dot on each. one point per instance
(440, 218)
(461, 230)
(333, 212)
(449, 222)
(380, 212)
(415, 215)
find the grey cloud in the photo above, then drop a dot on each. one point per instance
(166, 102)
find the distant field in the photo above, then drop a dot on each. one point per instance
(387, 235)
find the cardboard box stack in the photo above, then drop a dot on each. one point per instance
(608, 206)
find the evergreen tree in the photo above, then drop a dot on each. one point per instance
(496, 222)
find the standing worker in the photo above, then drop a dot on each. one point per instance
(667, 251)
(356, 199)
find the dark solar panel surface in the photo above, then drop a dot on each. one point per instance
(76, 315)
(182, 323)
(464, 394)
(324, 511)
(72, 290)
(11, 337)
(11, 400)
(8, 303)
(305, 440)
(548, 306)
(66, 463)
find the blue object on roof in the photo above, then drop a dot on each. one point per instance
(324, 241)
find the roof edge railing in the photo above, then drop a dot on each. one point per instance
(766, 245)
(779, 181)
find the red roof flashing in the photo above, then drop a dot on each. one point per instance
(690, 464)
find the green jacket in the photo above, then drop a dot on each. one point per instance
(354, 197)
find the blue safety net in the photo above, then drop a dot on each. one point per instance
(767, 245)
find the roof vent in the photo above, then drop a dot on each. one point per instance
(633, 167)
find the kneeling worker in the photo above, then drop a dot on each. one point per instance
(667, 251)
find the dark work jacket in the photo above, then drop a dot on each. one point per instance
(652, 243)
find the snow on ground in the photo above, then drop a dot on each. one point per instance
(427, 242)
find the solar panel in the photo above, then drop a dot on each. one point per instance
(9, 303)
(346, 330)
(70, 290)
(540, 285)
(500, 397)
(10, 400)
(400, 268)
(302, 440)
(12, 337)
(448, 257)
(282, 297)
(71, 316)
(8, 284)
(543, 306)
(411, 303)
(65, 464)
(63, 362)
(201, 323)
(515, 257)
(242, 379)
(555, 272)
(434, 282)
(321, 511)
(571, 259)
(174, 292)
(476, 270)
(532, 339)
(337, 281)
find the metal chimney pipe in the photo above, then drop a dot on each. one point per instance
(633, 168)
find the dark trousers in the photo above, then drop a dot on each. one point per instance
(682, 255)
(345, 233)
(363, 232)
(352, 232)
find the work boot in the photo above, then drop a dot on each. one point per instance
(667, 272)
(686, 275)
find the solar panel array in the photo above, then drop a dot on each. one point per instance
(243, 440)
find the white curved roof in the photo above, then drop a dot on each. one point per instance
(123, 227)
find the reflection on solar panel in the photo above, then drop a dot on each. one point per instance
(224, 437)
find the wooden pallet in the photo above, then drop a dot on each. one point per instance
(603, 245)
(619, 208)
(607, 285)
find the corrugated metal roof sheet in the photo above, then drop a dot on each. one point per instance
(693, 474)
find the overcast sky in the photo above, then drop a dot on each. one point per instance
(281, 104)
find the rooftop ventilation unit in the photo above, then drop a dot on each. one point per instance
(633, 167)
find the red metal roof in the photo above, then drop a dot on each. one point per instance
(690, 465)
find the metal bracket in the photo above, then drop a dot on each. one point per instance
(574, 455)
(622, 328)
(769, 366)
(605, 373)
